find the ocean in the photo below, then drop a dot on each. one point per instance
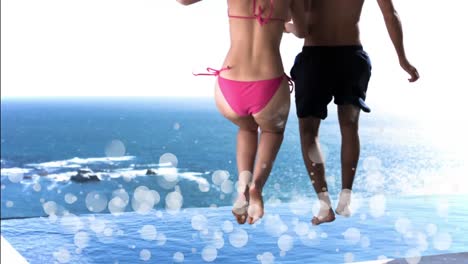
(164, 171)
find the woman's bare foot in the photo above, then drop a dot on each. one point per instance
(239, 210)
(320, 219)
(255, 210)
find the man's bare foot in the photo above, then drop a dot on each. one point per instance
(255, 210)
(343, 203)
(320, 219)
(239, 210)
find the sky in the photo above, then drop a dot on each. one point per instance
(151, 47)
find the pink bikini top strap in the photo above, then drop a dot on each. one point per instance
(212, 72)
(258, 14)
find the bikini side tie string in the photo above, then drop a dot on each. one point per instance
(211, 72)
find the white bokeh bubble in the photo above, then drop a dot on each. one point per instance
(145, 255)
(71, 223)
(81, 239)
(62, 255)
(156, 196)
(148, 232)
(365, 242)
(176, 126)
(70, 198)
(219, 176)
(9, 204)
(318, 155)
(352, 235)
(285, 242)
(174, 201)
(238, 238)
(348, 257)
(199, 222)
(228, 226)
(203, 186)
(413, 256)
(168, 160)
(374, 181)
(274, 225)
(178, 257)
(169, 174)
(377, 205)
(96, 202)
(209, 253)
(266, 258)
(97, 225)
(115, 148)
(161, 239)
(227, 186)
(300, 205)
(37, 187)
(165, 184)
(143, 200)
(218, 240)
(52, 218)
(50, 208)
(442, 241)
(301, 228)
(402, 225)
(15, 177)
(116, 206)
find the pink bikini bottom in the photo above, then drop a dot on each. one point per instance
(249, 97)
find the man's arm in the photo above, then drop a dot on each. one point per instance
(298, 17)
(394, 28)
(188, 2)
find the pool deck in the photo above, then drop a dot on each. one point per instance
(456, 258)
(9, 255)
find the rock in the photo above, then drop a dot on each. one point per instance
(150, 172)
(85, 175)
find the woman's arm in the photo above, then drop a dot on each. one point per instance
(188, 2)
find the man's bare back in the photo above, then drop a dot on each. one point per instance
(332, 22)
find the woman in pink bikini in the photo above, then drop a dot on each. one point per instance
(252, 91)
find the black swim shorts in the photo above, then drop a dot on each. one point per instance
(321, 73)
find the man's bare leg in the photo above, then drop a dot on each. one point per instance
(315, 165)
(348, 116)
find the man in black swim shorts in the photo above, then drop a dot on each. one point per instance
(333, 65)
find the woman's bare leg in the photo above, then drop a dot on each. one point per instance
(272, 122)
(247, 140)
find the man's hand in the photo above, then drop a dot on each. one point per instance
(410, 69)
(288, 27)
